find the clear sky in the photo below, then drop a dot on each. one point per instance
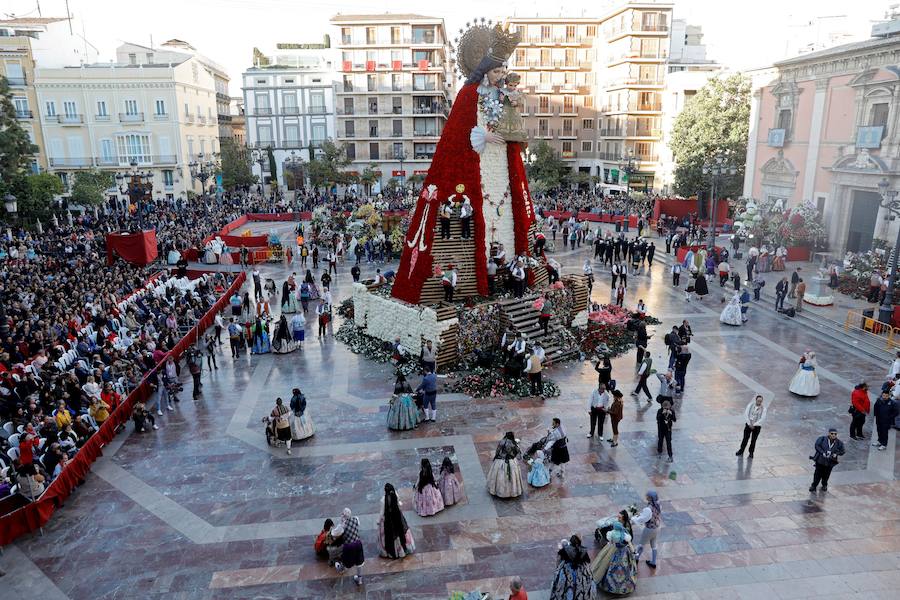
(739, 35)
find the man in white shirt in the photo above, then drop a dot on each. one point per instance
(465, 218)
(754, 417)
(492, 276)
(724, 271)
(518, 276)
(331, 257)
(448, 281)
(597, 408)
(676, 274)
(895, 367)
(516, 351)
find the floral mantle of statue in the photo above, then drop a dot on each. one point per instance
(480, 151)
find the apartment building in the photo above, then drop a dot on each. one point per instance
(157, 116)
(25, 44)
(557, 62)
(595, 88)
(289, 105)
(394, 92)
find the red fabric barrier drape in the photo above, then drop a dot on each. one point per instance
(673, 207)
(36, 514)
(251, 241)
(136, 248)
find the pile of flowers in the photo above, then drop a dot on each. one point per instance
(607, 331)
(479, 327)
(346, 309)
(368, 346)
(767, 220)
(562, 298)
(492, 383)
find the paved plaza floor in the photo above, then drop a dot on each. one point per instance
(203, 508)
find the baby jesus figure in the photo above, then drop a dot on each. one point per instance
(511, 127)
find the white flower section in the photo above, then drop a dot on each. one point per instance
(495, 181)
(580, 319)
(388, 318)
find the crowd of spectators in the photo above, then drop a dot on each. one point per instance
(76, 336)
(589, 201)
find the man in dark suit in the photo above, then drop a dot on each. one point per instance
(781, 291)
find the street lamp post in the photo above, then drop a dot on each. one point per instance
(138, 186)
(11, 204)
(260, 157)
(717, 169)
(890, 202)
(401, 156)
(627, 165)
(202, 169)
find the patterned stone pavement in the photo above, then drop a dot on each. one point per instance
(203, 508)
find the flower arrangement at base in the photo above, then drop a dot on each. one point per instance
(607, 331)
(493, 383)
(370, 347)
(479, 327)
(346, 309)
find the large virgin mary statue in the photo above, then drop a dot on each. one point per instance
(472, 162)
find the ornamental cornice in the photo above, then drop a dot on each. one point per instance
(105, 86)
(843, 65)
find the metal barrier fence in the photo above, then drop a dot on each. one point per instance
(873, 329)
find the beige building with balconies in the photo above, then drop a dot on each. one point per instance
(394, 90)
(595, 87)
(157, 116)
(25, 44)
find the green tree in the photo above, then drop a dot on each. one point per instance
(715, 121)
(546, 171)
(16, 149)
(325, 169)
(235, 166)
(273, 167)
(89, 187)
(368, 177)
(37, 199)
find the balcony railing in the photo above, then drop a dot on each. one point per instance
(663, 53)
(290, 110)
(112, 161)
(636, 28)
(189, 118)
(396, 134)
(102, 118)
(17, 81)
(24, 114)
(202, 120)
(349, 134)
(83, 161)
(264, 111)
(656, 80)
(427, 133)
(318, 110)
(632, 107)
(131, 117)
(566, 39)
(568, 133)
(71, 119)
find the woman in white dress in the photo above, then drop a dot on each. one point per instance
(806, 381)
(731, 314)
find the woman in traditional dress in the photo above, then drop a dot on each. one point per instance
(731, 314)
(427, 498)
(303, 294)
(449, 484)
(700, 287)
(402, 413)
(282, 423)
(780, 257)
(283, 342)
(805, 381)
(573, 579)
(288, 302)
(764, 262)
(301, 423)
(504, 478)
(298, 328)
(271, 291)
(395, 539)
(620, 577)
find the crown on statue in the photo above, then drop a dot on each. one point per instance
(484, 39)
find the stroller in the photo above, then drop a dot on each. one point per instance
(271, 435)
(538, 445)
